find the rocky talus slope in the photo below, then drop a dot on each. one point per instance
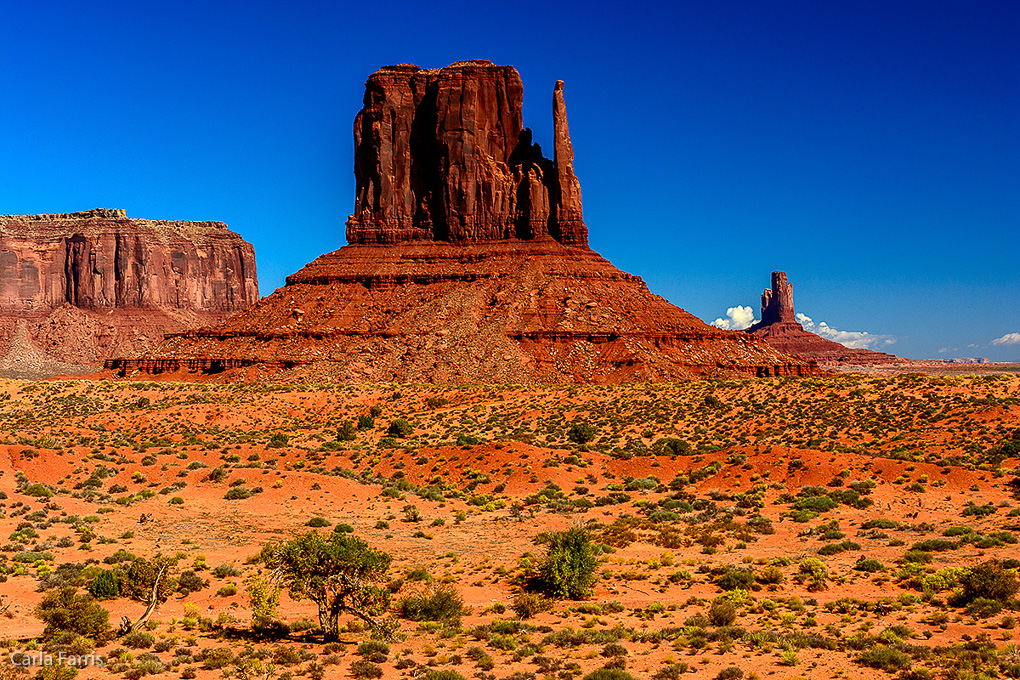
(93, 284)
(468, 261)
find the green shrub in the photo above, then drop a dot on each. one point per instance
(138, 640)
(318, 522)
(885, 658)
(722, 612)
(568, 570)
(813, 573)
(365, 669)
(443, 675)
(441, 603)
(105, 586)
(237, 493)
(38, 491)
(366, 423)
(526, 605)
(988, 580)
(347, 432)
(400, 428)
(581, 433)
(278, 441)
(66, 610)
(609, 674)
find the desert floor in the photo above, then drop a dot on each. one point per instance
(814, 528)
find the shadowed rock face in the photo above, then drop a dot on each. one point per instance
(777, 302)
(468, 262)
(138, 278)
(780, 329)
(443, 155)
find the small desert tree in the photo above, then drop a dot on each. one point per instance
(338, 574)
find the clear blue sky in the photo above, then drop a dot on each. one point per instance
(870, 149)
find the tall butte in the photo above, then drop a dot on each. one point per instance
(468, 261)
(780, 328)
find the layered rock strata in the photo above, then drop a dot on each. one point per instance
(780, 329)
(468, 262)
(93, 283)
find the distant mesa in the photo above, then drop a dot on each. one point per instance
(76, 288)
(468, 261)
(780, 329)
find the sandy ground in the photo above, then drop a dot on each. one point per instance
(921, 450)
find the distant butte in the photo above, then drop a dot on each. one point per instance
(780, 329)
(76, 288)
(468, 261)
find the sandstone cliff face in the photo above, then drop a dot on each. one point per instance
(443, 155)
(780, 329)
(138, 278)
(468, 262)
(100, 259)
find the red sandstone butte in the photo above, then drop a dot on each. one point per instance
(95, 283)
(468, 262)
(780, 329)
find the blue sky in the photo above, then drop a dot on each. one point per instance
(869, 149)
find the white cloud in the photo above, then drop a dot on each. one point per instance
(849, 339)
(738, 318)
(943, 350)
(1007, 339)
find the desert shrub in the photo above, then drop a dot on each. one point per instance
(228, 590)
(770, 575)
(278, 441)
(38, 491)
(581, 433)
(568, 569)
(732, 578)
(216, 658)
(869, 566)
(66, 610)
(468, 440)
(441, 603)
(730, 673)
(105, 586)
(57, 671)
(935, 545)
(527, 605)
(982, 607)
(443, 675)
(722, 612)
(670, 446)
(190, 582)
(362, 668)
(373, 650)
(318, 522)
(609, 674)
(226, 571)
(138, 640)
(813, 573)
(400, 428)
(348, 432)
(989, 580)
(885, 658)
(836, 548)
(237, 493)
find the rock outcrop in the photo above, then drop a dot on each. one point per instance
(468, 262)
(780, 329)
(443, 155)
(97, 282)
